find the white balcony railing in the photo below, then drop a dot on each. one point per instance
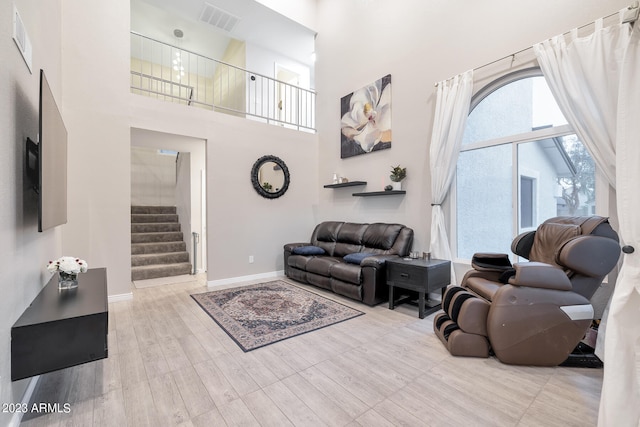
(172, 74)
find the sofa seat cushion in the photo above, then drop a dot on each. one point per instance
(483, 287)
(350, 273)
(349, 290)
(322, 265)
(299, 261)
(319, 281)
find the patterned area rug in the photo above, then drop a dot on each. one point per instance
(258, 315)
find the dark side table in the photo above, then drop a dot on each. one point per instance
(62, 328)
(418, 275)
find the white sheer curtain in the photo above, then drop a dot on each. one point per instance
(584, 75)
(621, 384)
(594, 79)
(453, 98)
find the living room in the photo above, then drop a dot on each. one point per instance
(85, 49)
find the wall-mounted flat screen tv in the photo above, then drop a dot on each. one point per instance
(47, 161)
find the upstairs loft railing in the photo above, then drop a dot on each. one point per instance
(172, 74)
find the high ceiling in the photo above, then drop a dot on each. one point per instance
(257, 25)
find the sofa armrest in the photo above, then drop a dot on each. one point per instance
(377, 260)
(486, 261)
(289, 247)
(374, 278)
(540, 275)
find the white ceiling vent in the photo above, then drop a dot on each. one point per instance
(219, 18)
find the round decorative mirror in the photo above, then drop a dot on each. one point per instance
(270, 177)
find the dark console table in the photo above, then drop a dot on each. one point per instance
(62, 328)
(421, 276)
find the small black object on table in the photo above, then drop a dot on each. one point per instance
(418, 275)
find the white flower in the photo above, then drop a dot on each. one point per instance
(68, 264)
(368, 120)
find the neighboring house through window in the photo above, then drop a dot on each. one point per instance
(528, 196)
(520, 163)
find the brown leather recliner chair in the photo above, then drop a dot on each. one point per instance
(531, 313)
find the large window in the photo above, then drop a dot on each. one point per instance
(520, 163)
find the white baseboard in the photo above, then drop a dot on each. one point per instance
(26, 398)
(231, 280)
(120, 297)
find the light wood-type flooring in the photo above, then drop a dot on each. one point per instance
(170, 364)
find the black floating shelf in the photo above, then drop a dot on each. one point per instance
(380, 193)
(346, 184)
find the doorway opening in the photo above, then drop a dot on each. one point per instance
(168, 206)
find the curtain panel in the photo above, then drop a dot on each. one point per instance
(453, 98)
(584, 76)
(594, 80)
(621, 384)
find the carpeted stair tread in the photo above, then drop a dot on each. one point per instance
(155, 227)
(153, 209)
(145, 218)
(157, 243)
(158, 247)
(164, 270)
(173, 236)
(163, 258)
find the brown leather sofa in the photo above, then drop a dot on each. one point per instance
(352, 262)
(531, 313)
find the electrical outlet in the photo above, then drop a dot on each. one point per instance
(250, 259)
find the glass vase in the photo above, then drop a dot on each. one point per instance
(67, 280)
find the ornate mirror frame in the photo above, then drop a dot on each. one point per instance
(256, 182)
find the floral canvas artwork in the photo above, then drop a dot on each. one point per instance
(366, 119)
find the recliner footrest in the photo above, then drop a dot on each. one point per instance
(457, 341)
(449, 293)
(469, 312)
(461, 343)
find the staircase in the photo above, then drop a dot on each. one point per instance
(157, 245)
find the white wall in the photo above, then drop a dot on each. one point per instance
(153, 177)
(418, 43)
(95, 62)
(24, 252)
(301, 11)
(263, 61)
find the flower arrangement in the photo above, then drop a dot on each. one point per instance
(68, 264)
(398, 173)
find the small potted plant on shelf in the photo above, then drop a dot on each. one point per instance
(397, 175)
